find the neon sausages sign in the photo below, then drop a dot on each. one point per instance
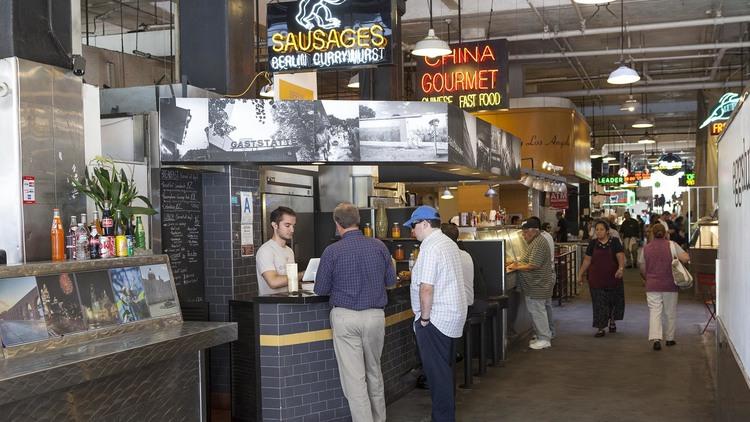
(473, 77)
(328, 34)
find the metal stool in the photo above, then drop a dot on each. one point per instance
(493, 316)
(474, 319)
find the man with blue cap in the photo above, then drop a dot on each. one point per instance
(439, 305)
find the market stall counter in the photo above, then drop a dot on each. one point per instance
(283, 364)
(101, 340)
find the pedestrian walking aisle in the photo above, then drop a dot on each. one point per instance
(618, 377)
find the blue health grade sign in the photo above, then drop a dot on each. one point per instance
(329, 34)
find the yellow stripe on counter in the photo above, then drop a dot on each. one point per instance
(296, 338)
(322, 335)
(396, 318)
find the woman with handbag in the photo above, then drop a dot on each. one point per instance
(605, 262)
(656, 266)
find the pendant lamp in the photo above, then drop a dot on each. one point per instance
(647, 139)
(623, 74)
(447, 194)
(643, 122)
(431, 45)
(353, 81)
(491, 192)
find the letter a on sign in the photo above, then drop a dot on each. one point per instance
(246, 201)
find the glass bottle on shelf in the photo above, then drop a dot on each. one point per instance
(71, 238)
(121, 241)
(399, 254)
(140, 234)
(367, 230)
(412, 258)
(396, 231)
(57, 237)
(381, 222)
(415, 251)
(82, 243)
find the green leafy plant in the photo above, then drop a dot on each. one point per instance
(107, 184)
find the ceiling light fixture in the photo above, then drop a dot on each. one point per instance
(623, 75)
(629, 105)
(647, 139)
(431, 45)
(643, 123)
(491, 193)
(353, 81)
(447, 194)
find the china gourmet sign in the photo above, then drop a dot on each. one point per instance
(473, 77)
(328, 34)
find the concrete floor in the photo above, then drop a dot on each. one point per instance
(583, 378)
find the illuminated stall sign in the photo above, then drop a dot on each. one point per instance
(328, 34)
(610, 180)
(669, 164)
(629, 179)
(687, 179)
(721, 113)
(473, 77)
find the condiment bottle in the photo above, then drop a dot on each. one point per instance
(399, 254)
(367, 230)
(395, 231)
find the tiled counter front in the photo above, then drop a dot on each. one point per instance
(284, 367)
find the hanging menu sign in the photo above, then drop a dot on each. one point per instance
(473, 77)
(328, 34)
(182, 230)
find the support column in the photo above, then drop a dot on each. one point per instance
(386, 83)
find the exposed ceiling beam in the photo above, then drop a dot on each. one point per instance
(640, 89)
(628, 51)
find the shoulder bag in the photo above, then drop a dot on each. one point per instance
(682, 277)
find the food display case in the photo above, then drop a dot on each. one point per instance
(514, 245)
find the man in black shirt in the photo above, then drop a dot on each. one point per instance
(630, 233)
(562, 228)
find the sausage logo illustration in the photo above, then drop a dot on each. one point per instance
(314, 13)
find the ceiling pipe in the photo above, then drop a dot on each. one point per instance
(665, 58)
(598, 31)
(605, 75)
(717, 63)
(637, 50)
(641, 89)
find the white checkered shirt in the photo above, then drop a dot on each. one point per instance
(439, 264)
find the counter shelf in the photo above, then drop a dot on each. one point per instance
(152, 368)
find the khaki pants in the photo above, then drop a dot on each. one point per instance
(661, 305)
(631, 251)
(358, 342)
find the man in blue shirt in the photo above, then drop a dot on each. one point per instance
(354, 272)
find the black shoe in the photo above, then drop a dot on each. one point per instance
(599, 333)
(657, 345)
(612, 327)
(422, 383)
(671, 342)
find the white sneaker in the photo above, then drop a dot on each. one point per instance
(540, 344)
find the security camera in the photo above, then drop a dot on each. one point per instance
(79, 65)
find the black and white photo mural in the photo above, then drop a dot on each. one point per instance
(266, 131)
(403, 131)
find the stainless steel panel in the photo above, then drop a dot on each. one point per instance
(273, 181)
(145, 99)
(11, 217)
(42, 124)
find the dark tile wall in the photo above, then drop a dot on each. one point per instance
(228, 275)
(217, 247)
(399, 350)
(244, 177)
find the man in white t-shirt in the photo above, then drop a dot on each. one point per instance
(272, 257)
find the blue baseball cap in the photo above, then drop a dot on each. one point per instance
(422, 213)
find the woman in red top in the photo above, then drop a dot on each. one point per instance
(605, 262)
(655, 264)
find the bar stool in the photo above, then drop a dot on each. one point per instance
(472, 320)
(496, 305)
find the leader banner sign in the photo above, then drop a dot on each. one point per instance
(329, 34)
(473, 77)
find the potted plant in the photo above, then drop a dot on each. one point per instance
(107, 184)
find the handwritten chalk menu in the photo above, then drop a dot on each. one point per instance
(182, 230)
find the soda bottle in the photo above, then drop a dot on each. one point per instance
(97, 223)
(82, 243)
(130, 237)
(106, 236)
(94, 242)
(121, 242)
(57, 237)
(71, 238)
(140, 234)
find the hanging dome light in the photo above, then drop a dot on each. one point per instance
(646, 139)
(491, 192)
(629, 105)
(447, 194)
(431, 46)
(623, 75)
(643, 123)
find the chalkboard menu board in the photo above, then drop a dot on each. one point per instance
(182, 230)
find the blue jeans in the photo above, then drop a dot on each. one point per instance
(437, 354)
(541, 319)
